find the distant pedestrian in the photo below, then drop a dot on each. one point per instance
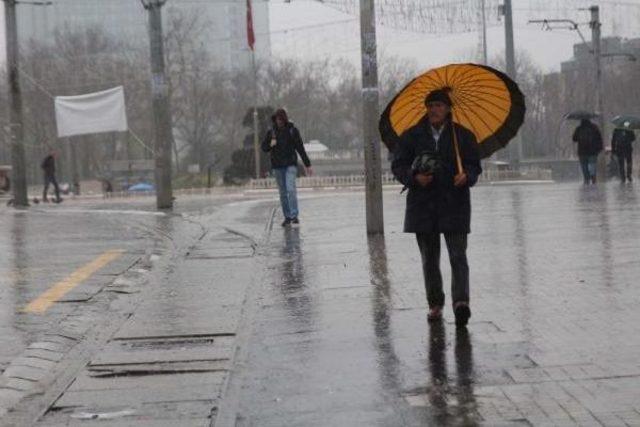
(284, 143)
(439, 200)
(49, 168)
(621, 146)
(589, 140)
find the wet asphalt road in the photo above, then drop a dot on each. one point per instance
(47, 243)
(335, 330)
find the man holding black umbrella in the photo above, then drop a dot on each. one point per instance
(438, 161)
(623, 150)
(589, 140)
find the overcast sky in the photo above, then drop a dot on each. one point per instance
(306, 29)
(336, 34)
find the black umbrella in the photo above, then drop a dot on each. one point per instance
(580, 115)
(626, 122)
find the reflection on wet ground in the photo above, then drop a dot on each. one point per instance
(341, 336)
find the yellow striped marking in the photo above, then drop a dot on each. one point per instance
(60, 289)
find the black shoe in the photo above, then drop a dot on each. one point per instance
(463, 313)
(629, 179)
(295, 222)
(286, 223)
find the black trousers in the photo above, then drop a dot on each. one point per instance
(628, 159)
(429, 245)
(49, 179)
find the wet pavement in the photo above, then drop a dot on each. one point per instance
(224, 320)
(341, 337)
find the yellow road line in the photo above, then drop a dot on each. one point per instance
(60, 289)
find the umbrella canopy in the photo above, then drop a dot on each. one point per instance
(485, 101)
(580, 115)
(626, 122)
(315, 146)
(143, 186)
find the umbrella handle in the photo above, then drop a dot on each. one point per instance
(457, 149)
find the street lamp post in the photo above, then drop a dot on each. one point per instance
(161, 106)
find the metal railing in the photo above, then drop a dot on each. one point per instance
(488, 176)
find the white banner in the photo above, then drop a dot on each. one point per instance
(91, 113)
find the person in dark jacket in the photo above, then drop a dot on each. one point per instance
(284, 143)
(589, 140)
(622, 148)
(439, 202)
(49, 168)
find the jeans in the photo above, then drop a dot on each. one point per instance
(628, 159)
(429, 245)
(50, 179)
(286, 179)
(588, 164)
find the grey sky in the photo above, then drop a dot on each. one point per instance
(305, 29)
(548, 49)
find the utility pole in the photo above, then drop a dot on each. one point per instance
(256, 136)
(509, 44)
(16, 129)
(510, 60)
(370, 109)
(483, 11)
(596, 25)
(161, 107)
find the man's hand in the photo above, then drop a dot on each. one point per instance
(460, 180)
(309, 171)
(424, 179)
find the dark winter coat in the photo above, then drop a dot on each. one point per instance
(589, 139)
(440, 207)
(621, 141)
(49, 166)
(288, 142)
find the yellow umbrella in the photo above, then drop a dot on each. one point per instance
(485, 101)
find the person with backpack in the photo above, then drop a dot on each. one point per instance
(284, 144)
(589, 140)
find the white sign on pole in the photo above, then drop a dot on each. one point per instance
(91, 113)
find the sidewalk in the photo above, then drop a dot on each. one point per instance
(341, 339)
(320, 326)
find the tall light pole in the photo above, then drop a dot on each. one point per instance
(371, 112)
(16, 122)
(163, 127)
(596, 34)
(509, 42)
(483, 17)
(510, 60)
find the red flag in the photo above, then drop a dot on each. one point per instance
(251, 36)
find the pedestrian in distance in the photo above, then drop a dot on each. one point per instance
(438, 201)
(622, 148)
(589, 140)
(284, 143)
(49, 168)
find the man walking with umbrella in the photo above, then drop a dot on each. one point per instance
(589, 140)
(438, 161)
(623, 150)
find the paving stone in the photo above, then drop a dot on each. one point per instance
(25, 372)
(138, 396)
(9, 397)
(52, 356)
(19, 384)
(34, 362)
